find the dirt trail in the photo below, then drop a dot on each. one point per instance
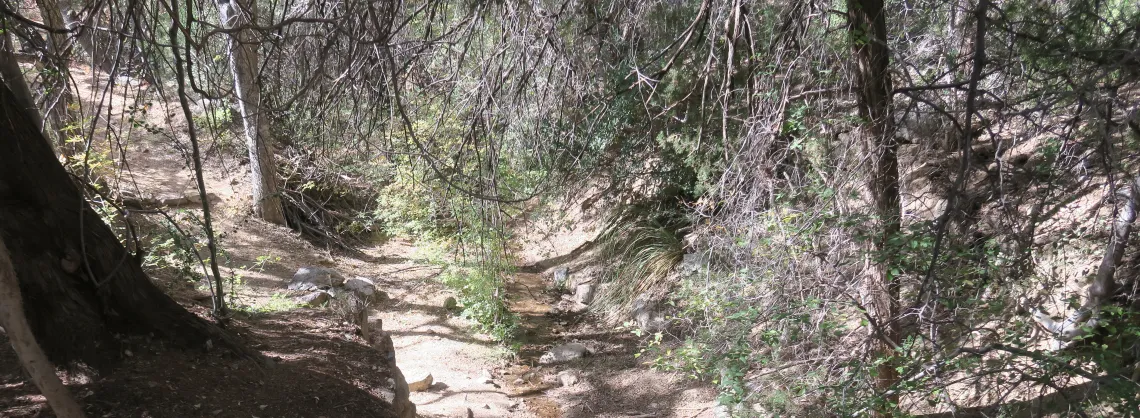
(471, 372)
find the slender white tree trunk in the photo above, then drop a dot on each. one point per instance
(27, 349)
(244, 63)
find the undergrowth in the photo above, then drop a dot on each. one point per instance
(644, 244)
(466, 237)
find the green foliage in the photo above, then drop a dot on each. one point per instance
(644, 245)
(278, 302)
(462, 235)
(468, 244)
(215, 118)
(172, 251)
(411, 209)
(480, 290)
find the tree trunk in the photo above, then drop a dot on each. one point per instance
(33, 359)
(13, 77)
(101, 47)
(80, 285)
(57, 92)
(244, 64)
(868, 32)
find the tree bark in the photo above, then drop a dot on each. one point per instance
(868, 32)
(101, 47)
(244, 64)
(181, 67)
(57, 91)
(13, 77)
(80, 285)
(33, 359)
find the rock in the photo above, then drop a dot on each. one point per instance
(692, 263)
(722, 411)
(562, 277)
(564, 353)
(567, 378)
(314, 278)
(648, 314)
(450, 303)
(398, 391)
(313, 300)
(365, 289)
(577, 307)
(584, 293)
(350, 306)
(421, 385)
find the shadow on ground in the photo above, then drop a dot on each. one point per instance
(321, 370)
(1063, 403)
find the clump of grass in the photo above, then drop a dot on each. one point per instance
(645, 246)
(278, 302)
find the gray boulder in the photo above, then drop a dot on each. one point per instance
(365, 289)
(584, 293)
(564, 353)
(314, 278)
(648, 314)
(562, 277)
(314, 299)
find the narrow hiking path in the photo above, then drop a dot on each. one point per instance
(330, 367)
(472, 372)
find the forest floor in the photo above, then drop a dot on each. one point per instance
(326, 369)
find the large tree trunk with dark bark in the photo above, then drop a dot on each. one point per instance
(24, 343)
(80, 285)
(868, 34)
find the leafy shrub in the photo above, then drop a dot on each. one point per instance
(480, 290)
